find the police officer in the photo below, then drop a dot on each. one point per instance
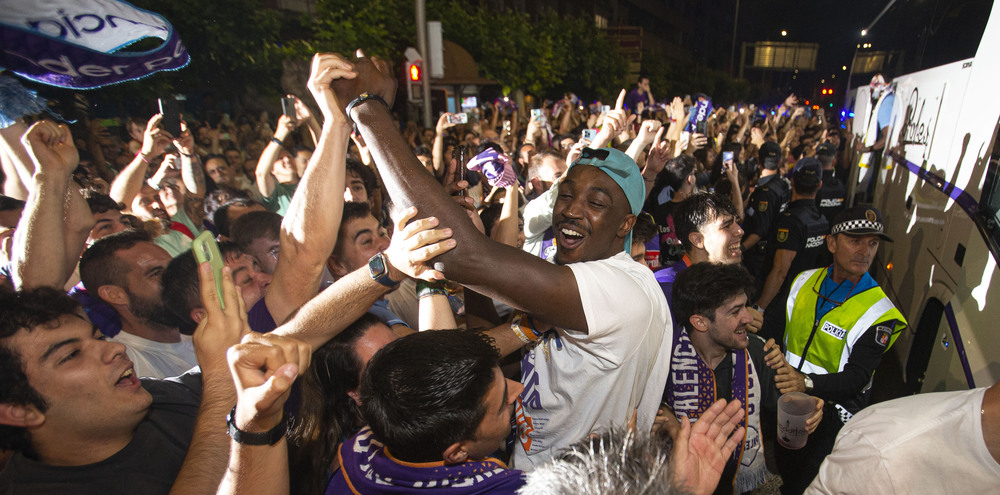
(766, 202)
(797, 244)
(840, 324)
(831, 196)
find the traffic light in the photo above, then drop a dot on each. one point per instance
(414, 67)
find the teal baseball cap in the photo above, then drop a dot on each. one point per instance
(623, 170)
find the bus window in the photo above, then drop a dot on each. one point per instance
(989, 203)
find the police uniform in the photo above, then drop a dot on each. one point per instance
(835, 334)
(765, 204)
(800, 228)
(831, 196)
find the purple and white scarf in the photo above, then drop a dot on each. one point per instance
(366, 467)
(691, 390)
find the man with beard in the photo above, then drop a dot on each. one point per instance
(124, 270)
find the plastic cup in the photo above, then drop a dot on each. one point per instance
(794, 408)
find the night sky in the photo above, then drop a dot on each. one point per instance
(947, 30)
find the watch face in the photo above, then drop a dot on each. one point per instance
(376, 266)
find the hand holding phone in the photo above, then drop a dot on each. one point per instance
(206, 249)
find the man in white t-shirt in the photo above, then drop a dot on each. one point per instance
(124, 271)
(607, 357)
(947, 442)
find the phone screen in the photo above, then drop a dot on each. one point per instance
(727, 156)
(288, 107)
(171, 116)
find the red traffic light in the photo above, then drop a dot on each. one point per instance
(414, 72)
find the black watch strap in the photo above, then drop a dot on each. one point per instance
(269, 437)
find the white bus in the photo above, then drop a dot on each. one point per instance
(938, 187)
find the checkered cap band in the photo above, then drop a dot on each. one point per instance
(850, 226)
(843, 413)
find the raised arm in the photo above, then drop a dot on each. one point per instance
(191, 171)
(437, 152)
(659, 154)
(129, 182)
(489, 267)
(264, 368)
(205, 462)
(40, 250)
(17, 164)
(265, 181)
(305, 116)
(506, 229)
(309, 229)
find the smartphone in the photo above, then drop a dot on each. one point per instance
(288, 107)
(470, 102)
(224, 136)
(536, 114)
(727, 156)
(206, 249)
(605, 108)
(589, 134)
(459, 155)
(171, 116)
(458, 118)
(701, 127)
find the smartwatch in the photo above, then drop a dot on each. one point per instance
(809, 383)
(378, 268)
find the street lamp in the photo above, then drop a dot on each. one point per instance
(784, 33)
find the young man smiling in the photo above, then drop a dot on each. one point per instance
(598, 366)
(715, 357)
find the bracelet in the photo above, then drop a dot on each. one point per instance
(269, 437)
(363, 97)
(142, 157)
(428, 289)
(526, 337)
(277, 141)
(758, 308)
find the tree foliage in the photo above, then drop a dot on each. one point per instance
(236, 45)
(233, 43)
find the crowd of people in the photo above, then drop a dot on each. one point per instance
(576, 299)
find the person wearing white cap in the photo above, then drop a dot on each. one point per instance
(839, 323)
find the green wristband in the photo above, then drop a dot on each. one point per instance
(427, 289)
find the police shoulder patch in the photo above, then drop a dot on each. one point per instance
(883, 335)
(782, 235)
(762, 206)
